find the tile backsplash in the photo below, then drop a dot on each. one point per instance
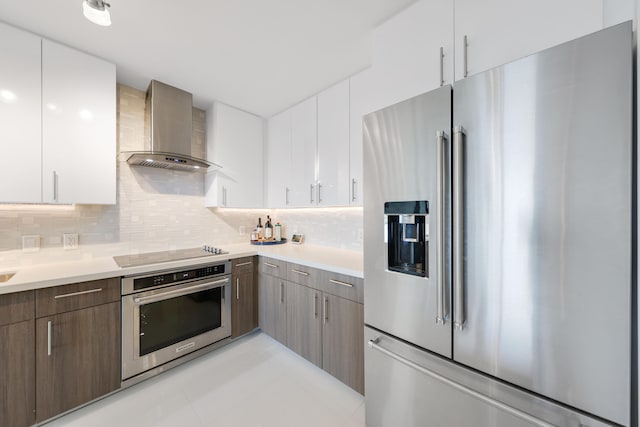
(157, 209)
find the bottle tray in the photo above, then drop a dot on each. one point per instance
(268, 242)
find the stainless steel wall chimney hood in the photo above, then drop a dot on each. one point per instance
(168, 117)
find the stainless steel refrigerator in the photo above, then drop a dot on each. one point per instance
(499, 245)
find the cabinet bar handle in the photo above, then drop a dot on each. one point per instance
(319, 193)
(286, 195)
(281, 292)
(73, 294)
(238, 288)
(441, 66)
(315, 305)
(338, 282)
(465, 49)
(55, 186)
(268, 264)
(242, 264)
(304, 273)
(49, 338)
(311, 187)
(326, 310)
(224, 196)
(353, 190)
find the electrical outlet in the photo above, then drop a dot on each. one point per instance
(242, 230)
(70, 240)
(360, 234)
(31, 243)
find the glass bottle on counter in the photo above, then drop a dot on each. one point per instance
(278, 232)
(268, 229)
(260, 230)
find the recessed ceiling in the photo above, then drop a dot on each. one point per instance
(258, 55)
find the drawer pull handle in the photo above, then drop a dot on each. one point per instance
(49, 338)
(73, 294)
(242, 264)
(338, 282)
(268, 264)
(304, 273)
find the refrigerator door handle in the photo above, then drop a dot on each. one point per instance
(440, 230)
(374, 344)
(458, 238)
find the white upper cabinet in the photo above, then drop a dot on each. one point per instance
(278, 159)
(500, 31)
(333, 146)
(20, 116)
(362, 101)
(406, 53)
(303, 167)
(234, 141)
(78, 127)
(58, 122)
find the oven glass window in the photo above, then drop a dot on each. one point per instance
(170, 321)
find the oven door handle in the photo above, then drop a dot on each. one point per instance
(179, 292)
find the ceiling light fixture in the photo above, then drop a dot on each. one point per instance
(97, 12)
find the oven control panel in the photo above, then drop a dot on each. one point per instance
(163, 278)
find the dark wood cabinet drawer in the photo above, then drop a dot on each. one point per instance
(16, 307)
(65, 298)
(303, 275)
(273, 267)
(243, 265)
(342, 285)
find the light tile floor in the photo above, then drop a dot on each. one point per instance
(253, 382)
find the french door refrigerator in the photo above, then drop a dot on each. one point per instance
(498, 219)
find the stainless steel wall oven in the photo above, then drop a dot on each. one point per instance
(170, 313)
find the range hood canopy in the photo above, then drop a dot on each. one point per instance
(168, 116)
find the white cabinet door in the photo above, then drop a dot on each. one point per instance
(500, 31)
(234, 141)
(362, 101)
(20, 116)
(302, 181)
(333, 146)
(278, 158)
(406, 52)
(78, 127)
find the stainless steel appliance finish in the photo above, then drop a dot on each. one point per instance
(147, 258)
(169, 117)
(171, 313)
(448, 394)
(537, 254)
(401, 165)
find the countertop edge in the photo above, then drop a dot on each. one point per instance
(31, 277)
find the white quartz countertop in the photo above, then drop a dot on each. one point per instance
(61, 273)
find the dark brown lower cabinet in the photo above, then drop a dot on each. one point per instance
(244, 302)
(343, 340)
(17, 374)
(77, 358)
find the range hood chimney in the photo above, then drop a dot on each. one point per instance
(168, 116)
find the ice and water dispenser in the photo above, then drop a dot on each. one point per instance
(407, 237)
